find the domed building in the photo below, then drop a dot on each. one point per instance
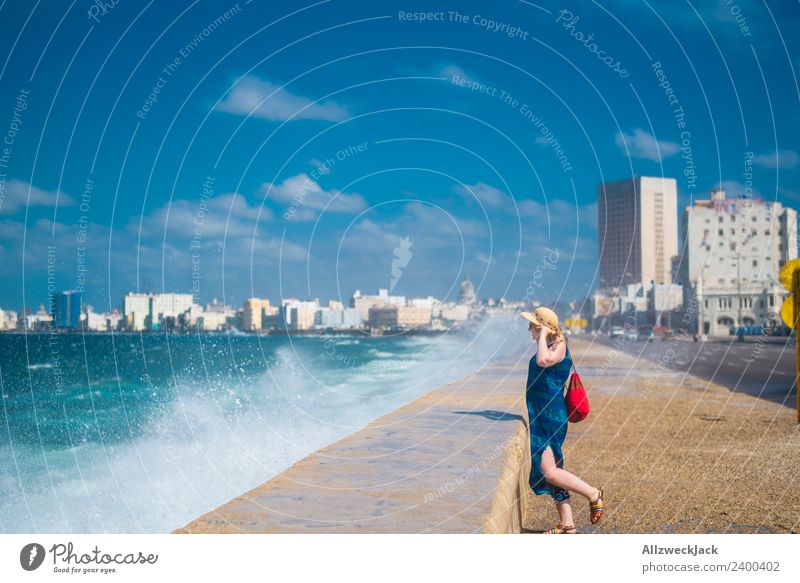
(466, 294)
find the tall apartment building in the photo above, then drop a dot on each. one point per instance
(136, 309)
(298, 314)
(147, 311)
(254, 310)
(637, 231)
(65, 308)
(734, 249)
(168, 306)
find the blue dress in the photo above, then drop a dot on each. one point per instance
(547, 415)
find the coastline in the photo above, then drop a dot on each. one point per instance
(674, 452)
(453, 460)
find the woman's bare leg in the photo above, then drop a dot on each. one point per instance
(564, 479)
(565, 512)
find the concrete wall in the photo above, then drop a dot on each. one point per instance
(455, 460)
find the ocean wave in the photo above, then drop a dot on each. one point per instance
(217, 437)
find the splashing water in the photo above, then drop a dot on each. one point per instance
(144, 433)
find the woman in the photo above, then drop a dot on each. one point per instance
(548, 373)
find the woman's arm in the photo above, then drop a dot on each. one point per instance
(545, 356)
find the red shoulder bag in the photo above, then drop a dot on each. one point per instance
(576, 400)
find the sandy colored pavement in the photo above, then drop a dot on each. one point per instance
(675, 453)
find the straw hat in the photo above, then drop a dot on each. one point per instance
(542, 316)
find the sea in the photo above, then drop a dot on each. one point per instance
(142, 433)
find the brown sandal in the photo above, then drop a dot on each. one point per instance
(561, 529)
(596, 508)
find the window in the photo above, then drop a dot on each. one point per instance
(771, 301)
(755, 262)
(754, 218)
(733, 231)
(720, 218)
(721, 232)
(754, 232)
(761, 304)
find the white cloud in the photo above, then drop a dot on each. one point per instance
(305, 195)
(253, 96)
(225, 215)
(488, 195)
(779, 159)
(641, 144)
(454, 73)
(18, 194)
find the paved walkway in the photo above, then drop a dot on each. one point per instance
(677, 454)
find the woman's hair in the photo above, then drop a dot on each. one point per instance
(556, 335)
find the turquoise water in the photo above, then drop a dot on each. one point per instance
(142, 433)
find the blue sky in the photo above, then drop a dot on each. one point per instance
(285, 149)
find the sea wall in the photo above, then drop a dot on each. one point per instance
(454, 460)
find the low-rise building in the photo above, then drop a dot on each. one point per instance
(364, 303)
(8, 320)
(38, 322)
(345, 318)
(398, 316)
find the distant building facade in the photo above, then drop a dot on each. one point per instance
(252, 314)
(151, 311)
(65, 309)
(638, 231)
(363, 303)
(734, 249)
(136, 311)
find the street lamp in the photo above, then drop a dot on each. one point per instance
(739, 330)
(701, 328)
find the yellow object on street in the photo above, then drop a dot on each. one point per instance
(790, 314)
(786, 275)
(787, 312)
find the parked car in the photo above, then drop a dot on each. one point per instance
(616, 332)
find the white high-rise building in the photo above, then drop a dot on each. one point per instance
(299, 314)
(638, 231)
(168, 305)
(136, 309)
(734, 249)
(147, 311)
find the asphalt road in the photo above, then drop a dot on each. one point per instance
(762, 368)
